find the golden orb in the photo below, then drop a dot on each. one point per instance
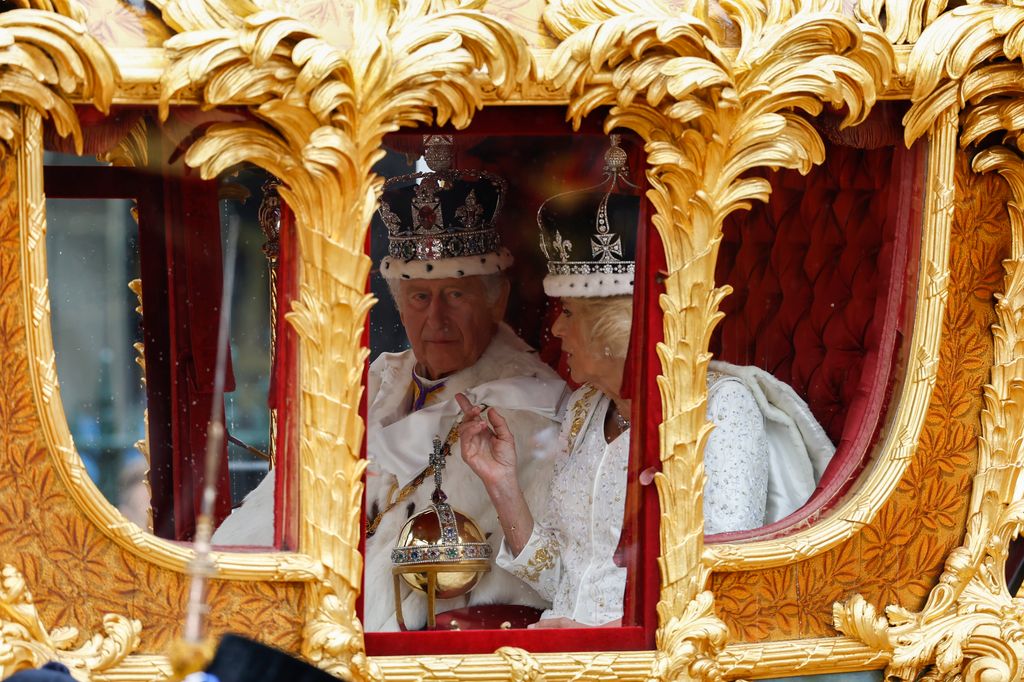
(445, 543)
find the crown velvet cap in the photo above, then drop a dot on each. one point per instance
(589, 240)
(443, 224)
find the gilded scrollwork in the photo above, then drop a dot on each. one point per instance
(333, 638)
(320, 112)
(902, 20)
(971, 626)
(707, 115)
(45, 59)
(25, 642)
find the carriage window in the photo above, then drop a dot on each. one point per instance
(502, 485)
(135, 275)
(821, 276)
(93, 257)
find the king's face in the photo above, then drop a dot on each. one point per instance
(449, 322)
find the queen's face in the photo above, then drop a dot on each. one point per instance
(588, 363)
(449, 322)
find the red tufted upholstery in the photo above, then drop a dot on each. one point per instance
(818, 279)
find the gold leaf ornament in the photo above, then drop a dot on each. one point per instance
(330, 643)
(25, 642)
(971, 626)
(708, 113)
(44, 59)
(321, 110)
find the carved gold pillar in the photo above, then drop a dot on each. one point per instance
(968, 62)
(322, 110)
(708, 112)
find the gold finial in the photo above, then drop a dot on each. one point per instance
(615, 159)
(439, 152)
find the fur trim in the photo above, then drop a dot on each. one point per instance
(589, 286)
(463, 266)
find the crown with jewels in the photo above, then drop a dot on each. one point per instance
(588, 236)
(442, 223)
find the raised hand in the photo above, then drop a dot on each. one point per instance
(488, 448)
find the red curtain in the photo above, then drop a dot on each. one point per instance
(194, 279)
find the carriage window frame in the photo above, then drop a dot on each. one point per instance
(644, 580)
(71, 181)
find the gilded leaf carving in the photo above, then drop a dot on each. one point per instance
(25, 641)
(970, 624)
(902, 20)
(44, 59)
(707, 115)
(319, 113)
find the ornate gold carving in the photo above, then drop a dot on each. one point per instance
(957, 61)
(25, 641)
(132, 151)
(971, 625)
(902, 20)
(45, 58)
(322, 113)
(42, 371)
(517, 664)
(802, 656)
(522, 666)
(707, 116)
(68, 8)
(333, 637)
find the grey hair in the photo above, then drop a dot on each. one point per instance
(609, 319)
(494, 285)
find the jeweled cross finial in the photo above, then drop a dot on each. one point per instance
(437, 458)
(607, 247)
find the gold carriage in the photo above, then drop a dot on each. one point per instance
(902, 563)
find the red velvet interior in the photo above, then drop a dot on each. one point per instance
(819, 278)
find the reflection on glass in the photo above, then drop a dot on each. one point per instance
(92, 256)
(96, 245)
(247, 418)
(496, 493)
(251, 448)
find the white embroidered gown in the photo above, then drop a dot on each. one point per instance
(569, 558)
